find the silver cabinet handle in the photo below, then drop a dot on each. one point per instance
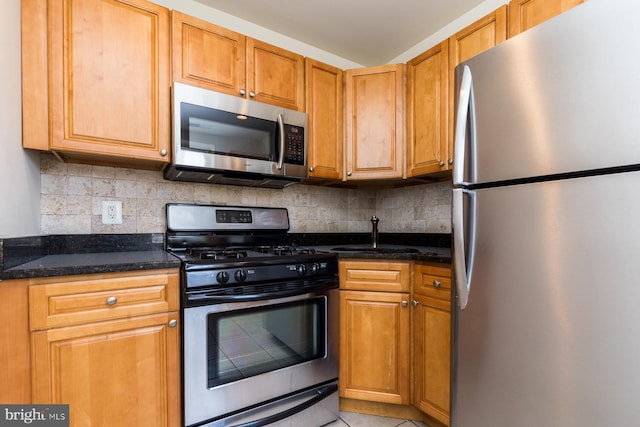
(112, 300)
(163, 152)
(311, 169)
(440, 163)
(450, 161)
(415, 303)
(243, 92)
(349, 173)
(436, 283)
(173, 323)
(252, 94)
(404, 303)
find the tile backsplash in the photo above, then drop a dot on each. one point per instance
(71, 198)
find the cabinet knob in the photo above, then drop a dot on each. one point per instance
(311, 169)
(404, 303)
(450, 161)
(252, 94)
(243, 92)
(349, 173)
(112, 300)
(414, 303)
(163, 152)
(173, 323)
(436, 284)
(440, 163)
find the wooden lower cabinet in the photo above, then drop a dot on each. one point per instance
(432, 340)
(374, 352)
(395, 339)
(121, 367)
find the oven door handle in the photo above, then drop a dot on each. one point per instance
(323, 393)
(201, 299)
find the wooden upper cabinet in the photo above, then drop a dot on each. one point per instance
(275, 75)
(104, 67)
(427, 112)
(524, 14)
(478, 37)
(374, 118)
(207, 55)
(219, 59)
(323, 88)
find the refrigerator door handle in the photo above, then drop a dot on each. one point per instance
(465, 114)
(463, 243)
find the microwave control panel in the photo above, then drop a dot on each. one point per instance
(294, 145)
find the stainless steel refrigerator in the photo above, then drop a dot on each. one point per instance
(546, 225)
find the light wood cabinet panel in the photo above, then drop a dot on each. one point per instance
(374, 120)
(219, 59)
(525, 14)
(384, 276)
(478, 37)
(103, 66)
(207, 56)
(432, 340)
(122, 372)
(73, 300)
(275, 75)
(15, 347)
(108, 345)
(432, 357)
(323, 88)
(427, 112)
(374, 352)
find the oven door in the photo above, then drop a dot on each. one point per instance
(265, 355)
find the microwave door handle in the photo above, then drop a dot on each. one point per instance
(281, 141)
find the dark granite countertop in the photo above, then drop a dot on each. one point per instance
(45, 256)
(61, 255)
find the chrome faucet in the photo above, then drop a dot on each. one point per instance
(374, 231)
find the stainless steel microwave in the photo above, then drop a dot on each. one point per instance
(219, 138)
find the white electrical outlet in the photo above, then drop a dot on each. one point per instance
(111, 212)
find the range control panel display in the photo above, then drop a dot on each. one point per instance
(233, 217)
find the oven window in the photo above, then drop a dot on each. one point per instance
(248, 342)
(221, 132)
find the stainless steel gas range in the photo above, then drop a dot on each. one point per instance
(260, 319)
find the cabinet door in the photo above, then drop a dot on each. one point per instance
(107, 75)
(323, 84)
(374, 346)
(432, 340)
(427, 112)
(374, 117)
(207, 55)
(275, 75)
(524, 14)
(119, 373)
(432, 356)
(470, 41)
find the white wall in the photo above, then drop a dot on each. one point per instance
(19, 169)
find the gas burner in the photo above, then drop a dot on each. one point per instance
(281, 250)
(217, 254)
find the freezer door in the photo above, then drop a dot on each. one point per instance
(557, 98)
(551, 331)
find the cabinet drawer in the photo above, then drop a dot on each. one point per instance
(72, 300)
(433, 281)
(375, 276)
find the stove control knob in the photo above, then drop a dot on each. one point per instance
(301, 269)
(240, 275)
(315, 268)
(222, 277)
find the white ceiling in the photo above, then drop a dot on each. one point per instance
(368, 32)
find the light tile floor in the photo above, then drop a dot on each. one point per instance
(352, 419)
